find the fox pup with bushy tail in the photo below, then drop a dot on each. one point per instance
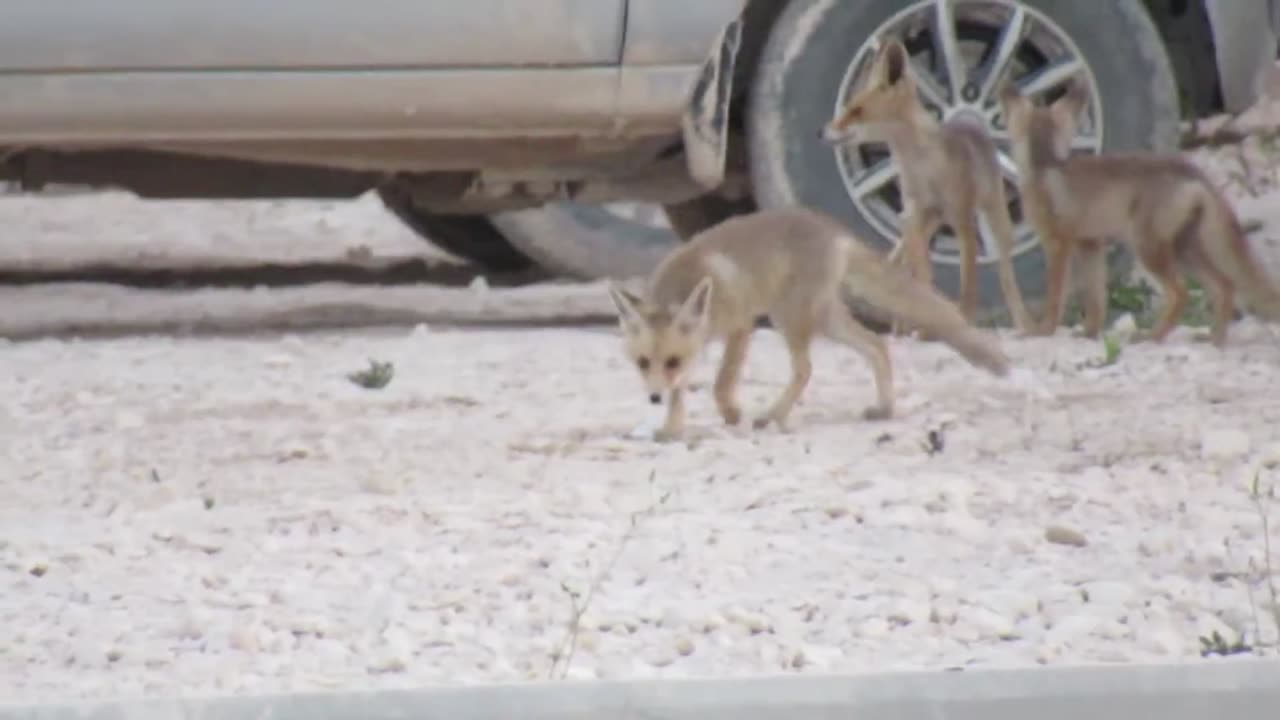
(1163, 207)
(796, 266)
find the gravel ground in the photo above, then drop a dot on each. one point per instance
(234, 515)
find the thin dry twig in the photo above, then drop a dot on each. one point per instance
(579, 603)
(1267, 571)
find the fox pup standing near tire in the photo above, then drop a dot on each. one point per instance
(1162, 206)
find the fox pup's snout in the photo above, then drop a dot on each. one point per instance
(833, 134)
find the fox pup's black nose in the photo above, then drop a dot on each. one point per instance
(656, 399)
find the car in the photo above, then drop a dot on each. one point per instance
(506, 130)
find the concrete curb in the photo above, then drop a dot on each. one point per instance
(1227, 688)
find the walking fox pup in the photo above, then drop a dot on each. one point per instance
(948, 174)
(1162, 206)
(793, 266)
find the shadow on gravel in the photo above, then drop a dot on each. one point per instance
(410, 271)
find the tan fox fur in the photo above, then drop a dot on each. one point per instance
(793, 265)
(1162, 207)
(948, 174)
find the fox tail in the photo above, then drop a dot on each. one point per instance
(888, 287)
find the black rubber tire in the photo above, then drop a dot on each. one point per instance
(813, 42)
(586, 242)
(472, 238)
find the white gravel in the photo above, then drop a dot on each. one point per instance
(234, 515)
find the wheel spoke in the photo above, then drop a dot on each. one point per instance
(988, 251)
(875, 178)
(946, 43)
(1010, 37)
(1050, 77)
(928, 87)
(1008, 167)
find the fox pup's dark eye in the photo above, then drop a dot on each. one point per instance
(643, 363)
(673, 362)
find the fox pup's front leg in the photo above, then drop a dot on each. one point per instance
(1057, 250)
(1093, 286)
(917, 229)
(673, 428)
(735, 354)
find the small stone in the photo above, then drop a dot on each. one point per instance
(278, 361)
(1165, 640)
(1123, 329)
(382, 483)
(712, 623)
(244, 638)
(874, 628)
(991, 623)
(908, 611)
(387, 664)
(754, 623)
(684, 646)
(1224, 444)
(661, 659)
(1110, 594)
(114, 655)
(479, 284)
(1062, 535)
(1072, 628)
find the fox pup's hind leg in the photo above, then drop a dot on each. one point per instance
(840, 326)
(1220, 289)
(965, 226)
(798, 332)
(996, 212)
(735, 354)
(1160, 262)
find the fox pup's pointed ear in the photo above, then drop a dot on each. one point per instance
(628, 305)
(893, 62)
(1008, 93)
(696, 310)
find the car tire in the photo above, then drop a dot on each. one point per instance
(472, 238)
(693, 216)
(586, 242)
(803, 66)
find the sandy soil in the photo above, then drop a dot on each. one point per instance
(233, 515)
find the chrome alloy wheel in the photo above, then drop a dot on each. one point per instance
(961, 50)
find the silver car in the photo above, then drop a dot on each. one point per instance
(502, 130)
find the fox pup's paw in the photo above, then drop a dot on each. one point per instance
(732, 415)
(877, 412)
(668, 435)
(764, 421)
